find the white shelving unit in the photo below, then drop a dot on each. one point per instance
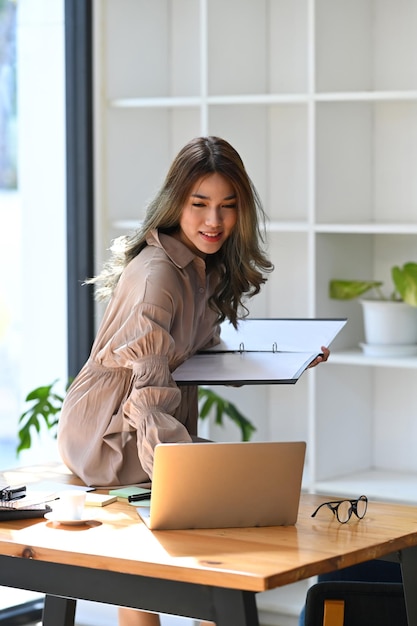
(320, 99)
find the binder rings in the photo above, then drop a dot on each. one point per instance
(260, 351)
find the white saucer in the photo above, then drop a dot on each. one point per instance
(52, 517)
(389, 350)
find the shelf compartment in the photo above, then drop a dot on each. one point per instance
(160, 51)
(365, 45)
(356, 257)
(344, 409)
(365, 156)
(245, 53)
(362, 424)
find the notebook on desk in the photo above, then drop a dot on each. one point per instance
(225, 485)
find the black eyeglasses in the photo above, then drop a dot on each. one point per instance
(343, 509)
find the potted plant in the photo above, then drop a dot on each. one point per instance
(390, 322)
(46, 404)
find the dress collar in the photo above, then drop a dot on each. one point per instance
(178, 252)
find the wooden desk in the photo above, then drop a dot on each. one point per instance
(206, 574)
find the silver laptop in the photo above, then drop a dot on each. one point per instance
(224, 485)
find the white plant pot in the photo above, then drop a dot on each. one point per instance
(387, 322)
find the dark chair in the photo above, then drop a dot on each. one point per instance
(22, 614)
(340, 603)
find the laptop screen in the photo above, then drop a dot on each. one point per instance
(219, 485)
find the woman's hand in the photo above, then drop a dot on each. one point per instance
(321, 358)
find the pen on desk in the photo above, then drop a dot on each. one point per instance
(137, 497)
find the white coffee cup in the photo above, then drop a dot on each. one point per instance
(70, 505)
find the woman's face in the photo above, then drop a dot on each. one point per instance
(209, 215)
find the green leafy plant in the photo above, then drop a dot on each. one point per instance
(46, 405)
(45, 408)
(211, 401)
(404, 280)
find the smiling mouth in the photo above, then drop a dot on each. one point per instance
(212, 236)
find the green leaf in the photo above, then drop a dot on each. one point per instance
(25, 441)
(219, 414)
(46, 404)
(40, 393)
(206, 407)
(211, 401)
(405, 281)
(349, 289)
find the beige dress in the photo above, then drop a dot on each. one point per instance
(124, 400)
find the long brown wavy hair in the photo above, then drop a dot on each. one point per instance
(241, 263)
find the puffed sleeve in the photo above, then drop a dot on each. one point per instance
(144, 345)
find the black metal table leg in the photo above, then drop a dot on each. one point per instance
(408, 559)
(235, 607)
(58, 610)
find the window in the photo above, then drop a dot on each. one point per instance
(33, 303)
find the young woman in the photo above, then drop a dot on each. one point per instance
(196, 259)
